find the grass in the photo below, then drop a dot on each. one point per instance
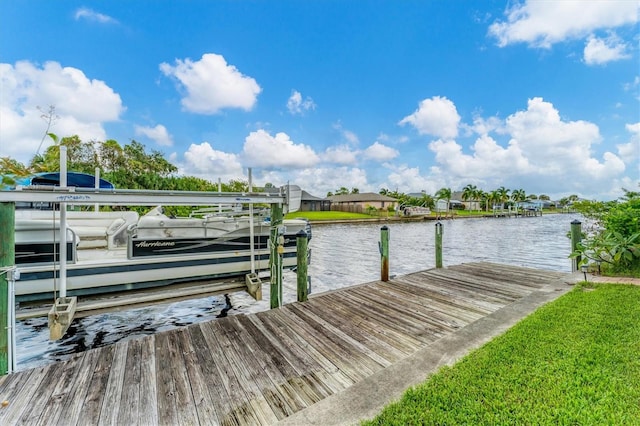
(330, 215)
(574, 361)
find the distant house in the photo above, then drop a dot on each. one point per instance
(457, 202)
(311, 203)
(358, 203)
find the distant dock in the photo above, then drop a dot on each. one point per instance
(335, 359)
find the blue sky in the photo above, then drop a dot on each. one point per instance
(410, 95)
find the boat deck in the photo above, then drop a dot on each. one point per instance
(265, 367)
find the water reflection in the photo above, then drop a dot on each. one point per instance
(342, 255)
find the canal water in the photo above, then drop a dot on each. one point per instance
(341, 255)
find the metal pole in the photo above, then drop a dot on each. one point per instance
(11, 315)
(7, 261)
(384, 253)
(251, 230)
(439, 244)
(576, 237)
(63, 224)
(96, 206)
(301, 269)
(219, 190)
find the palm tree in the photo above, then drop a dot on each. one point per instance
(518, 195)
(503, 195)
(444, 194)
(493, 198)
(469, 193)
(484, 198)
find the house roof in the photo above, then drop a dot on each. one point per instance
(308, 197)
(359, 198)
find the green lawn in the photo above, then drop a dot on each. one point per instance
(574, 361)
(330, 215)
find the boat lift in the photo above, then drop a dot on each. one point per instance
(62, 312)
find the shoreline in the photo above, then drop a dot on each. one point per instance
(409, 219)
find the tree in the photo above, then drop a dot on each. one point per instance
(518, 195)
(342, 191)
(355, 191)
(493, 198)
(111, 155)
(469, 193)
(444, 194)
(236, 185)
(427, 200)
(502, 195)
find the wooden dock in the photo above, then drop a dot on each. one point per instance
(261, 368)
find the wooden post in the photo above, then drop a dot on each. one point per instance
(438, 245)
(276, 248)
(576, 237)
(301, 267)
(384, 253)
(7, 260)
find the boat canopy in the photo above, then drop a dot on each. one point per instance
(77, 179)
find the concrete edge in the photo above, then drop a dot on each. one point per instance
(365, 399)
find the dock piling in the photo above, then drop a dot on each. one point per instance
(7, 261)
(439, 244)
(576, 237)
(301, 267)
(384, 253)
(275, 255)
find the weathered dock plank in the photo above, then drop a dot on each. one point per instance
(261, 368)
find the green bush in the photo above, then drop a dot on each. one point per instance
(616, 242)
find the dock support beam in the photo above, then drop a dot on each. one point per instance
(61, 316)
(576, 237)
(384, 253)
(276, 249)
(438, 245)
(301, 267)
(7, 261)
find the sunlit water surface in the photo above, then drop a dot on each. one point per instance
(341, 255)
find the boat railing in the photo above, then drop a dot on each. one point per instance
(231, 212)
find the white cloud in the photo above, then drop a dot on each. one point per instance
(484, 126)
(207, 163)
(82, 106)
(437, 116)
(212, 85)
(348, 135)
(320, 180)
(409, 179)
(380, 152)
(599, 51)
(263, 150)
(158, 134)
(554, 146)
(544, 153)
(340, 154)
(544, 23)
(91, 15)
(632, 86)
(297, 106)
(630, 152)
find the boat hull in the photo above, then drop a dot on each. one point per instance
(94, 277)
